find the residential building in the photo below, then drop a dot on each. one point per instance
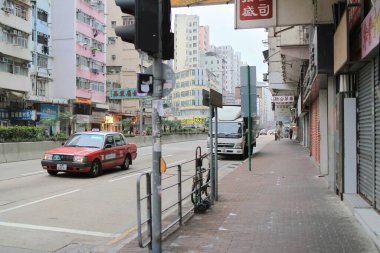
(204, 38)
(79, 53)
(186, 42)
(15, 56)
(232, 68)
(216, 64)
(123, 62)
(265, 112)
(187, 96)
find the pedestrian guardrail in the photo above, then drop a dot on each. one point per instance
(185, 183)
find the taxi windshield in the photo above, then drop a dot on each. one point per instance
(86, 140)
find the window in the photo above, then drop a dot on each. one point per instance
(110, 141)
(119, 140)
(42, 15)
(113, 24)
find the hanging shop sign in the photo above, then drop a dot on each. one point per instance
(83, 100)
(123, 93)
(23, 115)
(48, 111)
(255, 14)
(98, 117)
(370, 30)
(283, 99)
(82, 118)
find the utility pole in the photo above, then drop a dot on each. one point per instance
(156, 144)
(151, 34)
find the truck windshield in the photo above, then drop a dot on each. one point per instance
(229, 130)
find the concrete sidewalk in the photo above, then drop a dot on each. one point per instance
(280, 206)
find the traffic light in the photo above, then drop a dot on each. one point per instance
(144, 32)
(167, 37)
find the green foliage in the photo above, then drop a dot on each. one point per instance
(27, 134)
(148, 131)
(126, 123)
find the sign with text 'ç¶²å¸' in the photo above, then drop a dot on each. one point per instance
(255, 13)
(124, 93)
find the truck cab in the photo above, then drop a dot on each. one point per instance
(233, 132)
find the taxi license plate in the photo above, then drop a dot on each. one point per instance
(61, 166)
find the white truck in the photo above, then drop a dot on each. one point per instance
(233, 132)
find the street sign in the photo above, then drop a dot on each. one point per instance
(145, 83)
(168, 78)
(216, 98)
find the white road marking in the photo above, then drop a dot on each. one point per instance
(33, 173)
(127, 176)
(56, 229)
(175, 163)
(38, 201)
(167, 155)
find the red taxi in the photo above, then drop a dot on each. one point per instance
(90, 152)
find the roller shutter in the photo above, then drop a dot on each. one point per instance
(366, 132)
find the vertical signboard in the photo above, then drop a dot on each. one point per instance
(243, 90)
(370, 30)
(255, 14)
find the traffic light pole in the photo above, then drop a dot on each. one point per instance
(156, 144)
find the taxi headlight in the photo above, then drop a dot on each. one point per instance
(238, 145)
(48, 157)
(80, 159)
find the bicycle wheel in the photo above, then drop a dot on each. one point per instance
(195, 192)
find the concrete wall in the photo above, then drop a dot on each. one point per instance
(19, 151)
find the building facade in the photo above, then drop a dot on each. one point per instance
(186, 42)
(79, 52)
(186, 98)
(15, 58)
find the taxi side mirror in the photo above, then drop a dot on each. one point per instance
(108, 146)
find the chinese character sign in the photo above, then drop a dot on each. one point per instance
(283, 99)
(255, 13)
(122, 93)
(370, 30)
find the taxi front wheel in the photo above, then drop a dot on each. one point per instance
(96, 169)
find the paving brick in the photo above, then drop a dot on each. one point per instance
(280, 206)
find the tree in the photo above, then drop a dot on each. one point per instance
(126, 123)
(65, 119)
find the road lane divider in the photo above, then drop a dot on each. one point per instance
(57, 229)
(38, 201)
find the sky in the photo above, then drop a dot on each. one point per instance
(220, 19)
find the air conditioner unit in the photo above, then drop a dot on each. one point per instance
(4, 59)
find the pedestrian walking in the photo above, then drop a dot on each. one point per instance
(291, 133)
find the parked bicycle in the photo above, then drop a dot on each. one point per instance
(201, 189)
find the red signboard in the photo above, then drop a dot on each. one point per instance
(256, 9)
(255, 13)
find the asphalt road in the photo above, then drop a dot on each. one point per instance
(74, 213)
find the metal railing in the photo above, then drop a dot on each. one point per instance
(145, 234)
